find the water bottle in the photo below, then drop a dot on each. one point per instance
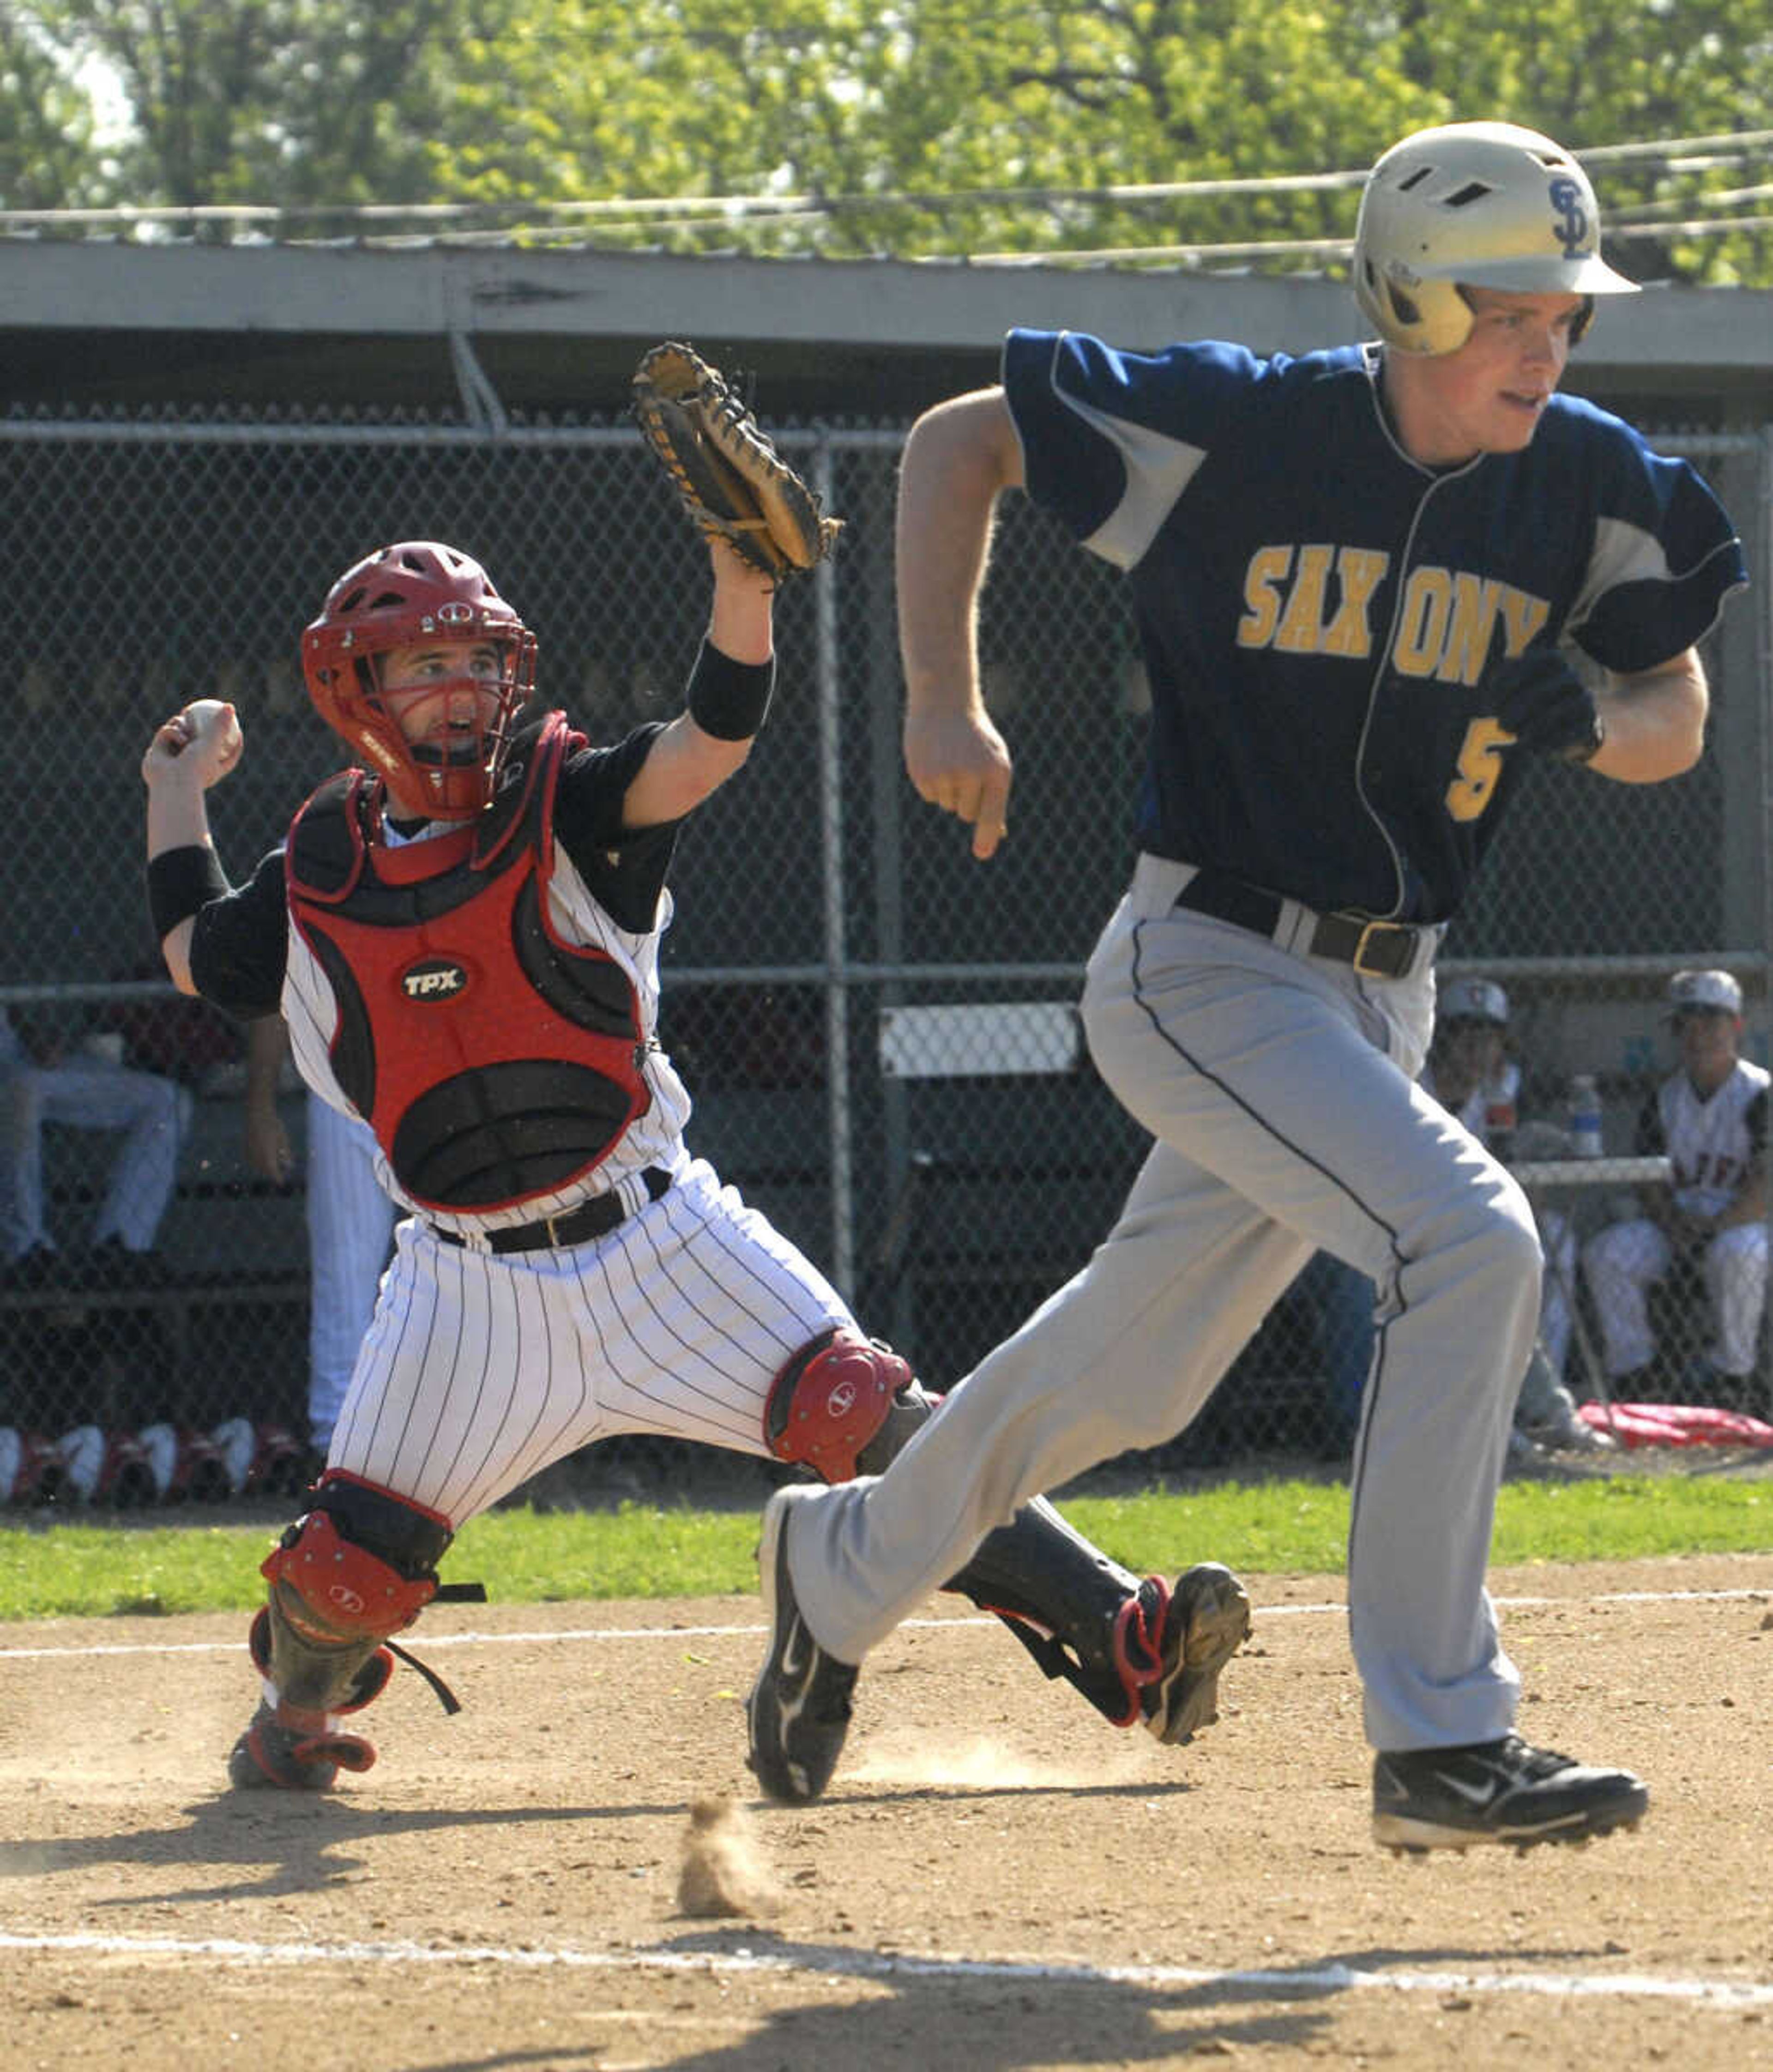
(1585, 1117)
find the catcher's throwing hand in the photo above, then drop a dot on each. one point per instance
(204, 740)
(958, 761)
(1546, 706)
(728, 476)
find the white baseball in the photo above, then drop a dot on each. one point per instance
(205, 713)
(213, 725)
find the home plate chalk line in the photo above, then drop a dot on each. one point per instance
(822, 1960)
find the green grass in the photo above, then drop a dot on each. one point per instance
(78, 1570)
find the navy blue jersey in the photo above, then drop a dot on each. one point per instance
(1316, 609)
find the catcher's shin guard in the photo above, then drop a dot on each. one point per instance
(1081, 1615)
(357, 1568)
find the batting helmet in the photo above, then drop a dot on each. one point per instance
(416, 591)
(1478, 205)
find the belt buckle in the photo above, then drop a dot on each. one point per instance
(548, 1224)
(1359, 960)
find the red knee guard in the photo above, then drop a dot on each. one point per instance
(830, 1400)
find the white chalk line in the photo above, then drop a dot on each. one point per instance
(1721, 1993)
(433, 1640)
(1728, 1994)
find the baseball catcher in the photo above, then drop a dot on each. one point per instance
(727, 475)
(462, 933)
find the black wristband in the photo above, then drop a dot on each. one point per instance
(729, 699)
(180, 880)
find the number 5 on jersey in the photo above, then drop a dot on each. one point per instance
(1479, 766)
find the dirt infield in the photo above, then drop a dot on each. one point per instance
(996, 1881)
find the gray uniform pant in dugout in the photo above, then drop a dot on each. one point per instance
(1280, 1088)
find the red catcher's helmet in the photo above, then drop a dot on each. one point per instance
(416, 591)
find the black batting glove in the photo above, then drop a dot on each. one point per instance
(1545, 706)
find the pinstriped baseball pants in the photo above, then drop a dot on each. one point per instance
(480, 1369)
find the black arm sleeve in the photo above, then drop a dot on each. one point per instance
(624, 869)
(729, 699)
(241, 944)
(181, 881)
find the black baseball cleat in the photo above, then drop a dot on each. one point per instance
(1205, 1623)
(1497, 1792)
(799, 1712)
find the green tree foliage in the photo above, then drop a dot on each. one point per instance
(927, 127)
(47, 157)
(289, 103)
(296, 100)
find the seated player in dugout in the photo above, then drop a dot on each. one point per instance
(1708, 1119)
(463, 937)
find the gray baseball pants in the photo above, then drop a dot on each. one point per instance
(1280, 1088)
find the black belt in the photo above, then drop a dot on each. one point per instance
(594, 1219)
(1376, 949)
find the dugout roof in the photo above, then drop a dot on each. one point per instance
(325, 329)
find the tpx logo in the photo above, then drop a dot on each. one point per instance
(455, 613)
(841, 1399)
(344, 1597)
(438, 978)
(1571, 228)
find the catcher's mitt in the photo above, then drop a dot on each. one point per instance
(731, 480)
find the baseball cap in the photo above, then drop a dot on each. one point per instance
(1472, 1000)
(1705, 988)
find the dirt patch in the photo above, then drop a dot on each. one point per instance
(996, 1879)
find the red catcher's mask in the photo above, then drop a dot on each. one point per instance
(414, 591)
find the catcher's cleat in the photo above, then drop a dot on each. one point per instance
(270, 1754)
(1203, 1624)
(296, 1748)
(1497, 1792)
(799, 1712)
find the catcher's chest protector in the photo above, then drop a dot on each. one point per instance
(495, 1062)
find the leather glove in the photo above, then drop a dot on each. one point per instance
(725, 470)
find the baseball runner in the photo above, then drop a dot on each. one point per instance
(465, 946)
(1709, 1119)
(1353, 575)
(350, 1222)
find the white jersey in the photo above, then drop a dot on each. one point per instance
(1711, 1141)
(655, 1138)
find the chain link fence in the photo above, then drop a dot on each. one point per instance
(879, 1032)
